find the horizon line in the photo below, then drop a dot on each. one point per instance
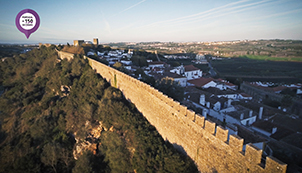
(160, 41)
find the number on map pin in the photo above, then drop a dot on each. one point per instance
(27, 21)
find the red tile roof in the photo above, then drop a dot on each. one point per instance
(191, 68)
(201, 81)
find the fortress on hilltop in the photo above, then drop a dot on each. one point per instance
(206, 143)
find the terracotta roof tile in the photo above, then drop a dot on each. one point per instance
(201, 81)
(191, 68)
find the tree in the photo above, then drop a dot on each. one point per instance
(50, 156)
(37, 122)
(139, 60)
(116, 153)
(175, 63)
(170, 88)
(140, 72)
(83, 164)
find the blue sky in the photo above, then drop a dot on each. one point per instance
(154, 20)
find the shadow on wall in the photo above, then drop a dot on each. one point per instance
(179, 148)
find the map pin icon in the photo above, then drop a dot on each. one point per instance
(27, 21)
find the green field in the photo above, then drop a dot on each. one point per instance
(269, 58)
(259, 70)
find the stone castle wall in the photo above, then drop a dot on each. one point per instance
(66, 55)
(190, 133)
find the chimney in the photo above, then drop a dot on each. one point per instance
(241, 116)
(208, 104)
(204, 113)
(260, 113)
(202, 100)
(274, 130)
(250, 113)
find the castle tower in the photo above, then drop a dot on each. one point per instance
(96, 41)
(78, 42)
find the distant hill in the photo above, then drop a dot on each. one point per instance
(273, 50)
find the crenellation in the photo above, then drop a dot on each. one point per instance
(190, 115)
(139, 83)
(165, 99)
(274, 165)
(143, 85)
(160, 95)
(170, 102)
(153, 91)
(200, 120)
(183, 110)
(198, 139)
(146, 86)
(209, 126)
(253, 154)
(176, 105)
(222, 133)
(236, 142)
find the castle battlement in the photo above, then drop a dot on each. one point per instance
(205, 142)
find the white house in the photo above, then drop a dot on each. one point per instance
(125, 62)
(230, 86)
(203, 82)
(192, 72)
(232, 114)
(210, 82)
(245, 96)
(223, 110)
(189, 71)
(181, 81)
(90, 53)
(200, 57)
(178, 70)
(100, 54)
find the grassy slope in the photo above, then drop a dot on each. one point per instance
(268, 58)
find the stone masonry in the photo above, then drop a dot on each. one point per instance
(190, 133)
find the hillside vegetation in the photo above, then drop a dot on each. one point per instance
(49, 103)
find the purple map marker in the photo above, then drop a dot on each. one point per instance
(27, 21)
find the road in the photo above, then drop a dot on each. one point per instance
(212, 71)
